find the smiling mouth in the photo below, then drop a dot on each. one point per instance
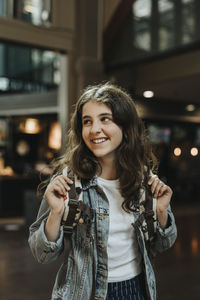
(99, 141)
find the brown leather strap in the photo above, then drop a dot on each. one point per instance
(74, 207)
(72, 193)
(68, 224)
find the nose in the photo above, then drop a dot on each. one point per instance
(96, 127)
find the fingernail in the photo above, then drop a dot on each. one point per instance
(65, 197)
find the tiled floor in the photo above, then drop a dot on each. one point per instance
(177, 270)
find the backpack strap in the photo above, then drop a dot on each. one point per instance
(150, 216)
(75, 210)
(147, 219)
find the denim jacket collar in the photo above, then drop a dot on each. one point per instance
(88, 183)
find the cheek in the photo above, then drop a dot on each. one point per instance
(119, 135)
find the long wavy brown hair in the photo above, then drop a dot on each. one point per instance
(134, 156)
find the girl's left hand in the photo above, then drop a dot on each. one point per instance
(163, 193)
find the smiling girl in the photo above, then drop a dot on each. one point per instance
(108, 151)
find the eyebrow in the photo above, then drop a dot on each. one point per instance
(100, 115)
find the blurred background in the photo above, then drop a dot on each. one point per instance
(49, 51)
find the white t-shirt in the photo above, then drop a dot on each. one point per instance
(124, 258)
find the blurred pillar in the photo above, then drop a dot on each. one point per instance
(89, 66)
(63, 97)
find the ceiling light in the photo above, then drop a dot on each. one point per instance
(148, 94)
(190, 107)
(177, 151)
(194, 151)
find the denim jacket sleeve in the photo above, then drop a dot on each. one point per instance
(43, 250)
(165, 238)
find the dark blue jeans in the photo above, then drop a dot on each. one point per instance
(133, 289)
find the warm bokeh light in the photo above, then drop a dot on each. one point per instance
(5, 171)
(177, 151)
(194, 151)
(190, 107)
(194, 246)
(55, 136)
(30, 126)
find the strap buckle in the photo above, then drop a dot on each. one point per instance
(67, 229)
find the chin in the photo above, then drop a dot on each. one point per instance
(99, 155)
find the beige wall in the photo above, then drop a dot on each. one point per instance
(64, 14)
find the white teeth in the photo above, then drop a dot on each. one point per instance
(98, 141)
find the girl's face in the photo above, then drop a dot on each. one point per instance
(101, 135)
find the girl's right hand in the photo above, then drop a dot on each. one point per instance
(56, 193)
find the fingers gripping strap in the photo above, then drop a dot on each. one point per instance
(72, 203)
(147, 217)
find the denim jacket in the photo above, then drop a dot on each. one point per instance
(86, 267)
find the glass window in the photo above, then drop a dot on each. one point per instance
(37, 12)
(165, 5)
(24, 69)
(3, 8)
(141, 15)
(189, 22)
(155, 27)
(142, 8)
(159, 134)
(166, 24)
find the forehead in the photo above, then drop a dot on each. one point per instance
(95, 108)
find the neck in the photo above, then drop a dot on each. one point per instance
(108, 170)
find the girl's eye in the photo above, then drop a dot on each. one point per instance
(86, 122)
(106, 119)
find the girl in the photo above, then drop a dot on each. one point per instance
(109, 152)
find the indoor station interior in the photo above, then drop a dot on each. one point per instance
(50, 50)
